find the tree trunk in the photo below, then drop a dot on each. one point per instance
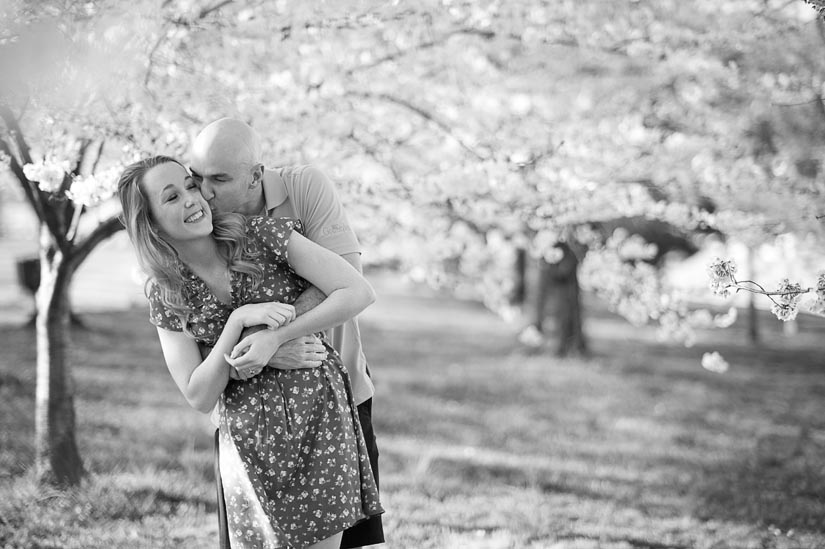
(753, 319)
(544, 284)
(571, 340)
(57, 460)
(519, 294)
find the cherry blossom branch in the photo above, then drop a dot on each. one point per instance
(418, 47)
(423, 114)
(98, 235)
(785, 307)
(28, 187)
(37, 198)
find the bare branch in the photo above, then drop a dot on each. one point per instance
(99, 155)
(800, 104)
(13, 127)
(29, 187)
(423, 114)
(72, 232)
(387, 163)
(209, 9)
(37, 198)
(85, 143)
(151, 65)
(98, 235)
(420, 46)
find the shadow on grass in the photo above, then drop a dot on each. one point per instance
(782, 483)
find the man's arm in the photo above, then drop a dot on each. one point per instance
(312, 296)
(296, 353)
(318, 207)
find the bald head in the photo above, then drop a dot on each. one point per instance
(226, 163)
(227, 139)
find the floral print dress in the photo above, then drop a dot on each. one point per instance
(293, 461)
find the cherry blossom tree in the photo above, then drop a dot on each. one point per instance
(458, 131)
(59, 62)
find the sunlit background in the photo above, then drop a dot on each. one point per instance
(553, 198)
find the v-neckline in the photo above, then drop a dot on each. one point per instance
(212, 294)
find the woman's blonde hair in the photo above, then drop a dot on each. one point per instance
(159, 259)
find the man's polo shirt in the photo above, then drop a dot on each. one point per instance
(307, 194)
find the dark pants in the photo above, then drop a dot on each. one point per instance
(366, 532)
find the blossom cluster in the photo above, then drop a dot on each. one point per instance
(92, 189)
(818, 306)
(786, 298)
(786, 305)
(721, 273)
(715, 363)
(48, 174)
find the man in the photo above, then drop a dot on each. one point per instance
(226, 163)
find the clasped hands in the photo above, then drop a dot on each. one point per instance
(262, 345)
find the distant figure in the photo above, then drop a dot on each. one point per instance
(226, 163)
(293, 460)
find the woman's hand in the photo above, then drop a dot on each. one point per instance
(272, 315)
(253, 352)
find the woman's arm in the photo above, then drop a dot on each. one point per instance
(202, 380)
(348, 293)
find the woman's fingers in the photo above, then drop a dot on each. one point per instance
(241, 348)
(243, 367)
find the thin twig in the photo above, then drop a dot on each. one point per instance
(423, 114)
(761, 290)
(206, 11)
(72, 232)
(163, 34)
(800, 104)
(418, 47)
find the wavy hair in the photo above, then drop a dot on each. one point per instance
(159, 259)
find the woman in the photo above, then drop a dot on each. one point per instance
(293, 461)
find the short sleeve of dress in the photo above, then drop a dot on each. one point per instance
(274, 234)
(159, 314)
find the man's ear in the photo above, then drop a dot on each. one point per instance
(257, 174)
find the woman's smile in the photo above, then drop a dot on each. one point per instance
(195, 217)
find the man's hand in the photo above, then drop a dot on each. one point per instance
(298, 353)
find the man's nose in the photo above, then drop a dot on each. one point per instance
(206, 190)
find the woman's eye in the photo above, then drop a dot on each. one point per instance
(171, 197)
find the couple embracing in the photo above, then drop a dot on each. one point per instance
(254, 283)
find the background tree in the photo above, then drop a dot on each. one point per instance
(55, 124)
(458, 131)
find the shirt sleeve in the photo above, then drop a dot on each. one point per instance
(274, 234)
(159, 314)
(317, 204)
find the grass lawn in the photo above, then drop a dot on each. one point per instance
(482, 445)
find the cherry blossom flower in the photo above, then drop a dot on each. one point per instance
(713, 362)
(721, 273)
(786, 306)
(93, 189)
(47, 174)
